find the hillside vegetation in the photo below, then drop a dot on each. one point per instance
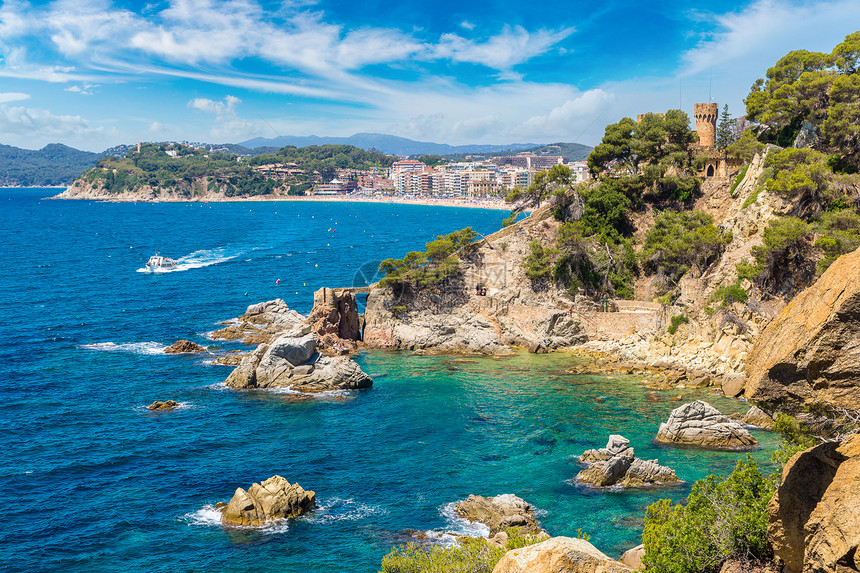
(54, 164)
(187, 171)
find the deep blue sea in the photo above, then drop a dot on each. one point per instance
(92, 481)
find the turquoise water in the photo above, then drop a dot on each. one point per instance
(92, 481)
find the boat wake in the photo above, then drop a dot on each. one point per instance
(197, 260)
(144, 348)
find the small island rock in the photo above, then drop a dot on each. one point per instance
(293, 362)
(557, 554)
(183, 346)
(617, 464)
(700, 424)
(499, 513)
(273, 499)
(165, 405)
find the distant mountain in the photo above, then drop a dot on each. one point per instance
(572, 151)
(390, 144)
(54, 164)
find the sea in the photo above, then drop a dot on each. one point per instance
(92, 481)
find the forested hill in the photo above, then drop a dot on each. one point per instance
(186, 171)
(54, 164)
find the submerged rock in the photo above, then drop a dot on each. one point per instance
(557, 555)
(499, 513)
(183, 346)
(165, 405)
(271, 500)
(814, 517)
(293, 362)
(700, 424)
(617, 464)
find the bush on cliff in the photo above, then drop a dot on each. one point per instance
(429, 268)
(678, 241)
(721, 520)
(468, 555)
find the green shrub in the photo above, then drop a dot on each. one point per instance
(738, 179)
(428, 268)
(537, 263)
(469, 555)
(677, 321)
(679, 240)
(730, 294)
(795, 437)
(751, 199)
(721, 519)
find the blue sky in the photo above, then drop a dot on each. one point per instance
(96, 73)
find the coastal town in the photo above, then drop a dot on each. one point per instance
(475, 178)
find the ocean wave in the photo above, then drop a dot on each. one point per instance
(339, 509)
(145, 348)
(325, 394)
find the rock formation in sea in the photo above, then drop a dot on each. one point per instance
(293, 362)
(559, 554)
(288, 352)
(183, 346)
(617, 464)
(810, 354)
(264, 502)
(499, 513)
(334, 319)
(163, 405)
(262, 323)
(755, 416)
(700, 424)
(814, 517)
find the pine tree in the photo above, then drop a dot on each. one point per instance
(725, 129)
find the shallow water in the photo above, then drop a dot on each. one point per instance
(92, 481)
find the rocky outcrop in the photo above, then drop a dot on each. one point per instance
(755, 416)
(293, 362)
(499, 513)
(334, 319)
(814, 517)
(263, 322)
(810, 354)
(183, 346)
(617, 464)
(268, 501)
(557, 555)
(700, 424)
(633, 557)
(163, 405)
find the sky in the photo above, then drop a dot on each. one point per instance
(92, 74)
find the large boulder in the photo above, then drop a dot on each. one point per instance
(810, 353)
(755, 416)
(268, 501)
(633, 557)
(293, 362)
(700, 424)
(814, 517)
(163, 405)
(616, 464)
(499, 513)
(559, 555)
(263, 322)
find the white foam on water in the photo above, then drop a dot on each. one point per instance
(325, 394)
(218, 386)
(461, 526)
(208, 516)
(339, 509)
(144, 348)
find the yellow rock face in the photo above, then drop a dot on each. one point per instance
(811, 352)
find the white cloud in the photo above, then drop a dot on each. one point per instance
(83, 89)
(227, 124)
(18, 121)
(574, 115)
(13, 96)
(514, 45)
(466, 25)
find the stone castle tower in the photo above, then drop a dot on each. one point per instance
(706, 123)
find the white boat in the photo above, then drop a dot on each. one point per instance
(159, 263)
